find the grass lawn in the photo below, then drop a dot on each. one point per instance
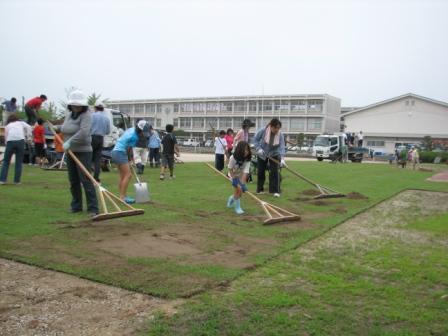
(187, 241)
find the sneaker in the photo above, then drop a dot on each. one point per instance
(162, 177)
(93, 214)
(2, 182)
(261, 192)
(173, 177)
(276, 195)
(129, 200)
(17, 183)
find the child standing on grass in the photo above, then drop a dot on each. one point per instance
(39, 141)
(170, 147)
(239, 166)
(220, 150)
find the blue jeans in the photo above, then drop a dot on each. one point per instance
(16, 147)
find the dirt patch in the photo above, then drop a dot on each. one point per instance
(320, 202)
(311, 192)
(382, 223)
(41, 302)
(440, 177)
(422, 169)
(356, 195)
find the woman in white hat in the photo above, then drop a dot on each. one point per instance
(76, 131)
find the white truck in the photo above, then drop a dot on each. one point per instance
(118, 120)
(332, 147)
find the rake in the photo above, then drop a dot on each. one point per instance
(59, 165)
(325, 192)
(275, 214)
(104, 194)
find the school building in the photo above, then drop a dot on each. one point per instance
(311, 114)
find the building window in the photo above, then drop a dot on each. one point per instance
(150, 108)
(159, 123)
(375, 143)
(267, 105)
(315, 105)
(199, 107)
(139, 108)
(186, 107)
(198, 123)
(226, 107)
(237, 122)
(212, 107)
(240, 106)
(176, 122)
(159, 108)
(297, 124)
(252, 106)
(126, 109)
(314, 124)
(406, 102)
(298, 105)
(211, 122)
(225, 123)
(185, 123)
(281, 105)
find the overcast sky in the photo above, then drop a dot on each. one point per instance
(360, 51)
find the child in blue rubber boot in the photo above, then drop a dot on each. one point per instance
(239, 168)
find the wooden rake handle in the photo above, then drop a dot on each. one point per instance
(294, 172)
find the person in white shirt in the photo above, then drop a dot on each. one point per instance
(220, 150)
(16, 133)
(360, 139)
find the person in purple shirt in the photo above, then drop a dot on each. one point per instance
(10, 108)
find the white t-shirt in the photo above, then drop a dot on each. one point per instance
(360, 136)
(237, 169)
(220, 145)
(18, 130)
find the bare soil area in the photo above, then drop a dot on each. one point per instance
(35, 301)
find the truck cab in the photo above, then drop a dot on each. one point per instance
(330, 146)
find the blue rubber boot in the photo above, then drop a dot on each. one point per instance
(230, 201)
(238, 209)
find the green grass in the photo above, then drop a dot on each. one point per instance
(37, 228)
(437, 224)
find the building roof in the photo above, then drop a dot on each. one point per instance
(407, 95)
(222, 98)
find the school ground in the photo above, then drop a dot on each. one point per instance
(371, 263)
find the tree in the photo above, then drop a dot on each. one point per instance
(427, 142)
(300, 139)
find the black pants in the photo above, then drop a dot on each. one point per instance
(219, 161)
(16, 147)
(274, 175)
(76, 178)
(360, 143)
(154, 155)
(30, 115)
(97, 147)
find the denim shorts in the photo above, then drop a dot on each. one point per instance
(119, 157)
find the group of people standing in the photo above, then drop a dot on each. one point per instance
(354, 140)
(269, 145)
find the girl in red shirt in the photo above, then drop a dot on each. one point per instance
(39, 142)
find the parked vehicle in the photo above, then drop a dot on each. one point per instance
(332, 147)
(191, 143)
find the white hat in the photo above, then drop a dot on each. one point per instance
(141, 124)
(99, 103)
(77, 98)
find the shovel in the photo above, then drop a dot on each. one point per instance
(141, 189)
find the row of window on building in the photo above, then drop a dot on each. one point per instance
(288, 124)
(235, 106)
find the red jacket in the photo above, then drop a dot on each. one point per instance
(34, 103)
(39, 134)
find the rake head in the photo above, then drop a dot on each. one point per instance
(276, 214)
(125, 213)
